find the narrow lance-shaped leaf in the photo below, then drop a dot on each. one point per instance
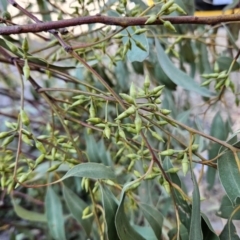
(28, 215)
(229, 175)
(195, 228)
(229, 232)
(55, 218)
(217, 124)
(90, 170)
(154, 218)
(110, 206)
(176, 75)
(124, 229)
(76, 207)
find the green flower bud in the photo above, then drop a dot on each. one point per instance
(127, 98)
(133, 186)
(24, 117)
(140, 31)
(138, 123)
(40, 146)
(157, 89)
(157, 136)
(166, 6)
(179, 9)
(4, 134)
(92, 111)
(26, 139)
(26, 70)
(54, 167)
(7, 141)
(162, 123)
(206, 83)
(25, 46)
(133, 92)
(131, 130)
(3, 181)
(151, 176)
(151, 19)
(86, 211)
(172, 170)
(140, 45)
(95, 120)
(146, 82)
(122, 133)
(39, 160)
(222, 75)
(119, 36)
(126, 113)
(137, 174)
(165, 111)
(168, 152)
(185, 164)
(107, 131)
(166, 186)
(169, 26)
(195, 147)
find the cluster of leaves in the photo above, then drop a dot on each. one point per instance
(100, 142)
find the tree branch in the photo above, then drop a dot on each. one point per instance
(117, 21)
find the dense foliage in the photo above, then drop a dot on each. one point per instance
(113, 132)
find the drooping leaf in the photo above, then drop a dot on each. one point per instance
(229, 232)
(176, 75)
(124, 229)
(226, 209)
(217, 124)
(110, 206)
(54, 214)
(90, 170)
(28, 215)
(76, 206)
(136, 54)
(229, 175)
(195, 227)
(184, 209)
(207, 230)
(154, 218)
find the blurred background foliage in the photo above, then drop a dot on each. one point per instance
(133, 135)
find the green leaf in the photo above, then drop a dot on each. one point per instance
(195, 227)
(229, 232)
(90, 170)
(225, 62)
(146, 232)
(76, 206)
(226, 209)
(229, 175)
(217, 124)
(110, 206)
(176, 75)
(136, 54)
(184, 209)
(172, 234)
(208, 232)
(55, 218)
(124, 229)
(28, 215)
(154, 218)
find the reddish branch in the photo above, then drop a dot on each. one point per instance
(117, 21)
